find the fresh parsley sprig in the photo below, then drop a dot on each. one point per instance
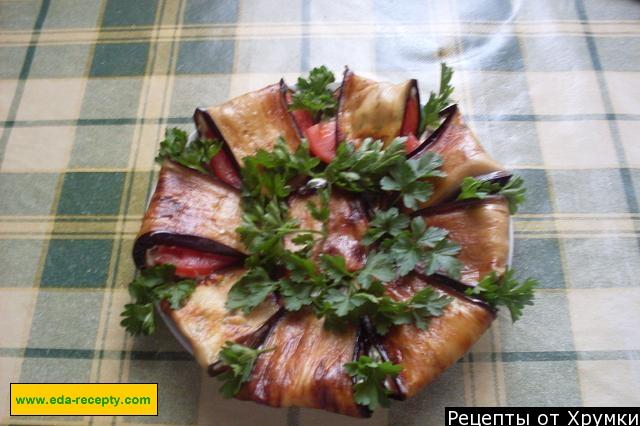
(150, 287)
(370, 375)
(505, 291)
(406, 244)
(313, 94)
(436, 103)
(514, 191)
(240, 359)
(195, 155)
(408, 179)
(360, 169)
(418, 310)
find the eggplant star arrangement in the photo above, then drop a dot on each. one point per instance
(328, 249)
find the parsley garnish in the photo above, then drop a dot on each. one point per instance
(313, 94)
(360, 169)
(436, 103)
(408, 178)
(370, 375)
(240, 359)
(195, 155)
(152, 286)
(422, 306)
(505, 291)
(250, 290)
(406, 244)
(513, 191)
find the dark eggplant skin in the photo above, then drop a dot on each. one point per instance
(253, 342)
(380, 104)
(207, 128)
(284, 91)
(254, 121)
(194, 242)
(347, 73)
(448, 113)
(427, 353)
(453, 288)
(191, 210)
(462, 154)
(454, 205)
(305, 366)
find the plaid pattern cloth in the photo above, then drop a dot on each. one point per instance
(87, 88)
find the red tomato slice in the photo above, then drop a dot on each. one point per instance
(224, 168)
(322, 140)
(411, 144)
(411, 117)
(190, 263)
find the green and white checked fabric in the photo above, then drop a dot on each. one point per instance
(86, 89)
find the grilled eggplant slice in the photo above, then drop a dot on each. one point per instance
(305, 366)
(190, 210)
(250, 122)
(425, 354)
(207, 324)
(462, 154)
(347, 225)
(481, 228)
(379, 110)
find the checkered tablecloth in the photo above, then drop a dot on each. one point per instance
(552, 88)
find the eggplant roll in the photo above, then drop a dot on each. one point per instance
(481, 228)
(189, 209)
(207, 324)
(379, 110)
(250, 122)
(347, 225)
(462, 154)
(305, 366)
(425, 354)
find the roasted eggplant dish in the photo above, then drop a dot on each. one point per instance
(327, 246)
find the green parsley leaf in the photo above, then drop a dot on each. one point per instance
(297, 294)
(142, 288)
(385, 223)
(343, 302)
(407, 178)
(428, 248)
(505, 291)
(250, 290)
(360, 169)
(334, 267)
(513, 190)
(370, 375)
(436, 103)
(425, 304)
(240, 359)
(139, 318)
(176, 294)
(473, 188)
(195, 155)
(313, 94)
(152, 286)
(379, 267)
(320, 210)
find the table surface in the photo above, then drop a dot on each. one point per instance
(552, 89)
